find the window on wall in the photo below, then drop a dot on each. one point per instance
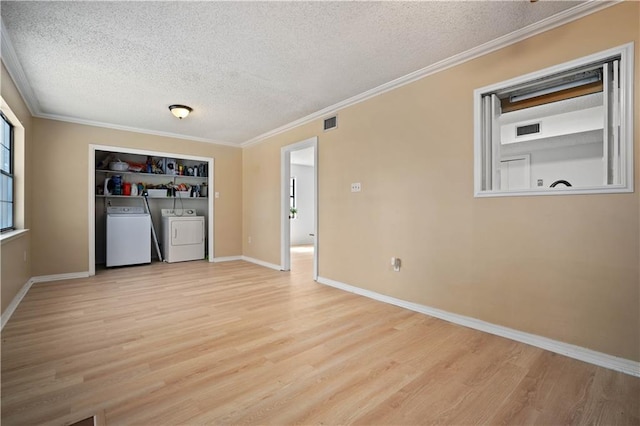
(563, 130)
(6, 176)
(293, 211)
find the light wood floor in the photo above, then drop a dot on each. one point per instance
(235, 343)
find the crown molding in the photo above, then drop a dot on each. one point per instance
(562, 18)
(134, 129)
(10, 59)
(14, 68)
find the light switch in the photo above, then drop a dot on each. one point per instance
(217, 195)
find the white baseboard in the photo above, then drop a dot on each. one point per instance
(226, 258)
(262, 263)
(583, 354)
(25, 288)
(15, 302)
(60, 277)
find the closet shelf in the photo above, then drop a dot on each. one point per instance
(115, 172)
(152, 198)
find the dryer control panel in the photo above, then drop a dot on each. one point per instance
(178, 212)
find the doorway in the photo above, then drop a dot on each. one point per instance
(299, 201)
(515, 172)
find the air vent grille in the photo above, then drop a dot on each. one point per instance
(529, 129)
(330, 123)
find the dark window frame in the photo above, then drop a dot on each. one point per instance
(292, 196)
(10, 172)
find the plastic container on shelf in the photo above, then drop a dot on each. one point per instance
(157, 193)
(118, 166)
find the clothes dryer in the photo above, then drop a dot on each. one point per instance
(183, 235)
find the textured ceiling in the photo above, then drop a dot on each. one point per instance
(246, 68)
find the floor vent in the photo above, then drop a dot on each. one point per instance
(330, 123)
(97, 420)
(89, 421)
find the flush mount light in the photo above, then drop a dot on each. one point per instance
(180, 111)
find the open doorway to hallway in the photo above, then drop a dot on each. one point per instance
(302, 207)
(302, 260)
(299, 207)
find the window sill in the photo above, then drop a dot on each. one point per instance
(611, 189)
(12, 235)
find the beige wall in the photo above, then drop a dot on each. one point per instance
(60, 206)
(562, 267)
(15, 270)
(261, 194)
(15, 253)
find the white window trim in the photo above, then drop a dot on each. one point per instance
(626, 124)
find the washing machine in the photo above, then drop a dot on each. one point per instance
(183, 235)
(128, 236)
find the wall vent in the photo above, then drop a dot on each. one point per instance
(529, 129)
(330, 123)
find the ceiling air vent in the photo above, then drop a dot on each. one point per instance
(529, 129)
(330, 123)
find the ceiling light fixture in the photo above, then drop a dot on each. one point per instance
(180, 111)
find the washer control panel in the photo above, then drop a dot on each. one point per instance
(125, 210)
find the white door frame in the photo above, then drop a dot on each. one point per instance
(285, 230)
(92, 193)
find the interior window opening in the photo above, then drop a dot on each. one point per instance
(563, 131)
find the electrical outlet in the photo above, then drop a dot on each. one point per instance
(249, 240)
(356, 187)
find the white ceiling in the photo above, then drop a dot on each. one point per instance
(246, 68)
